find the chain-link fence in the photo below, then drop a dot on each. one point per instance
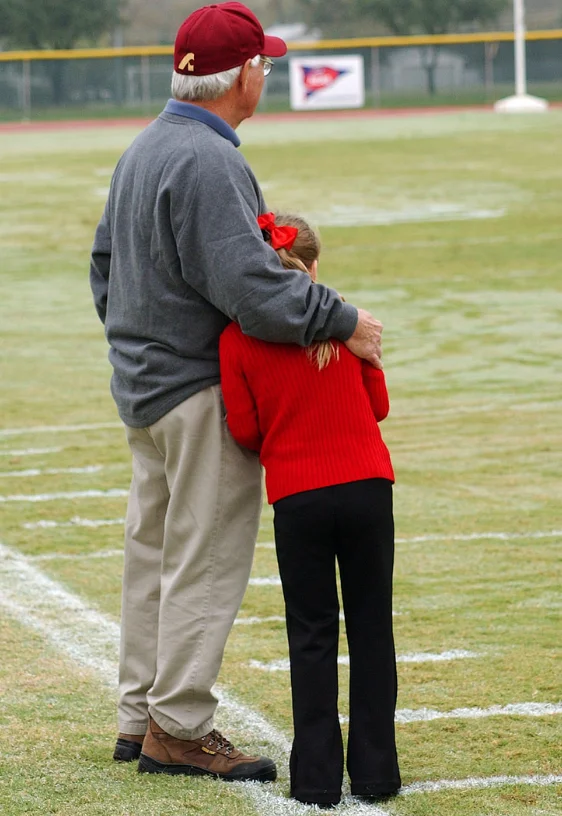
(398, 72)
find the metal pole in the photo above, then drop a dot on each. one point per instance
(145, 81)
(490, 53)
(376, 77)
(26, 90)
(520, 48)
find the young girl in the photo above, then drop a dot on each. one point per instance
(313, 414)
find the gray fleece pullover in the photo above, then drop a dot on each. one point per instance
(178, 254)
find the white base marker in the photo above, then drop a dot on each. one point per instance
(39, 429)
(4, 474)
(78, 494)
(343, 660)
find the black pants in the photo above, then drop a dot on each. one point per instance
(352, 523)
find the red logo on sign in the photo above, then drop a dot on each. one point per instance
(319, 77)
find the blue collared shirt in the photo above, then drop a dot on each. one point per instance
(202, 115)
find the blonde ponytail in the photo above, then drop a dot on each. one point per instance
(301, 256)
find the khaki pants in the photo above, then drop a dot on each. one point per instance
(191, 527)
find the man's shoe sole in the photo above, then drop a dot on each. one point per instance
(246, 772)
(127, 750)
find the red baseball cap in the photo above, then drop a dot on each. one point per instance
(219, 37)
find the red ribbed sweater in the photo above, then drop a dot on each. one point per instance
(311, 428)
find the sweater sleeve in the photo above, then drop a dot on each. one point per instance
(241, 411)
(226, 260)
(375, 384)
(100, 263)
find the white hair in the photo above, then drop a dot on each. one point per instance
(187, 88)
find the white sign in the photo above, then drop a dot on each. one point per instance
(327, 82)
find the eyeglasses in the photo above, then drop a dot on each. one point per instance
(267, 65)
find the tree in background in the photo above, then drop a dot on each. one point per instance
(57, 24)
(403, 17)
(344, 18)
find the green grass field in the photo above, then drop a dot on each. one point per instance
(448, 229)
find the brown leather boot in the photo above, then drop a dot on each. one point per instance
(128, 747)
(211, 755)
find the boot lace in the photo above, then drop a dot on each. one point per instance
(221, 742)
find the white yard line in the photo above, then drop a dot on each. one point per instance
(91, 639)
(47, 524)
(272, 580)
(479, 783)
(85, 635)
(494, 239)
(343, 660)
(4, 474)
(426, 414)
(40, 429)
(78, 494)
(30, 451)
(405, 716)
(271, 619)
(480, 537)
(350, 807)
(77, 556)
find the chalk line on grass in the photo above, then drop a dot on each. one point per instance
(101, 554)
(256, 620)
(420, 417)
(479, 537)
(49, 471)
(76, 521)
(272, 580)
(91, 639)
(78, 494)
(479, 783)
(406, 716)
(40, 429)
(30, 451)
(343, 660)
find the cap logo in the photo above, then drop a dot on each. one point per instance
(188, 61)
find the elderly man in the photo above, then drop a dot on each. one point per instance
(178, 254)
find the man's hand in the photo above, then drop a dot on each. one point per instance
(365, 342)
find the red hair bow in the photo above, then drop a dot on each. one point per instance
(280, 237)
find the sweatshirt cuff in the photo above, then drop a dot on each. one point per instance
(346, 322)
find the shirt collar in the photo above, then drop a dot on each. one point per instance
(202, 115)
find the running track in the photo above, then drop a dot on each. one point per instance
(377, 113)
(82, 124)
